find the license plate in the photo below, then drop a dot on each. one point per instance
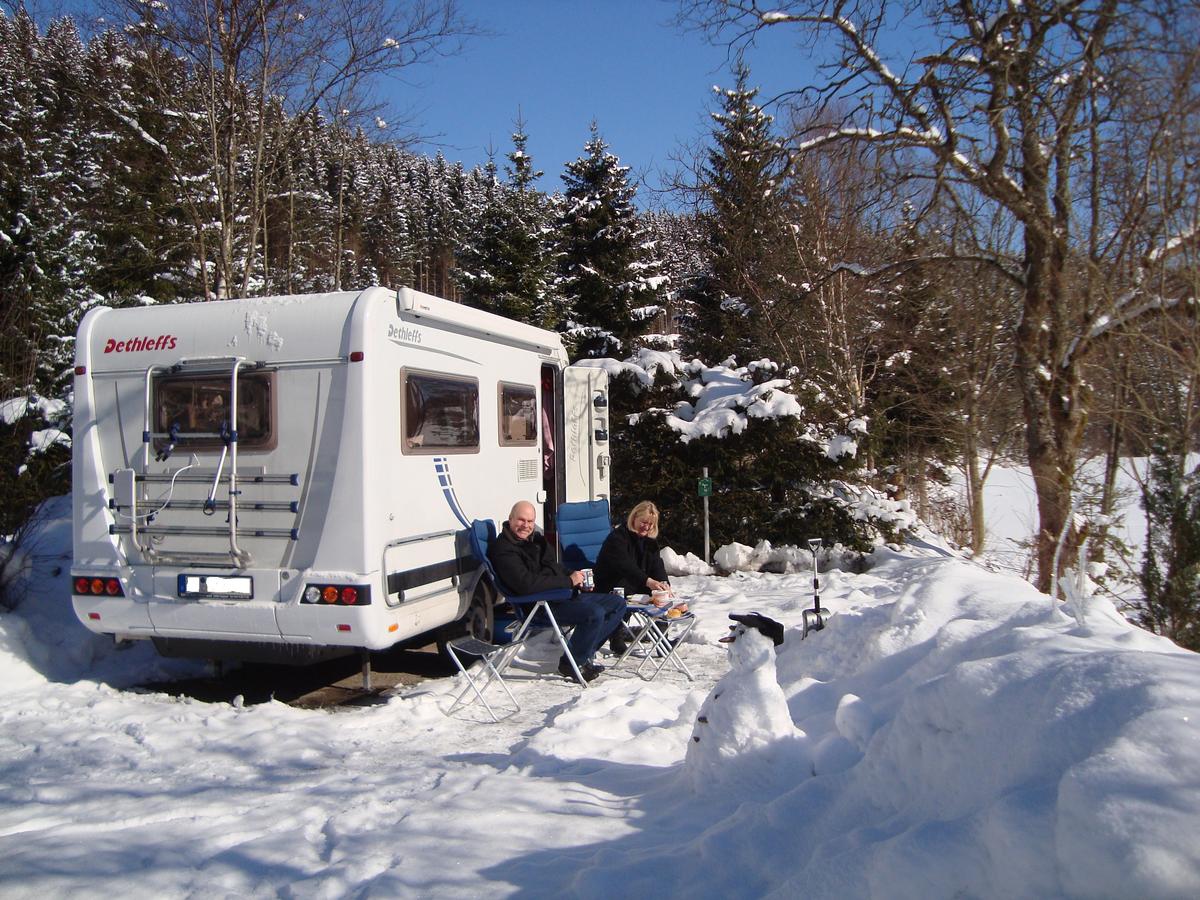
(216, 587)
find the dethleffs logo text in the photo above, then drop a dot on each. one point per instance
(137, 344)
(404, 333)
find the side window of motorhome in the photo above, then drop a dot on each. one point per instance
(441, 413)
(199, 405)
(518, 415)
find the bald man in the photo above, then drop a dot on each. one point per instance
(525, 563)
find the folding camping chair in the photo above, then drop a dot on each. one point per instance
(582, 528)
(528, 606)
(487, 654)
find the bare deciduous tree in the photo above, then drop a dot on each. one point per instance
(830, 192)
(1072, 116)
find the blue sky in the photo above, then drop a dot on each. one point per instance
(562, 63)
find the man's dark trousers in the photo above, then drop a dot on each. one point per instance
(594, 617)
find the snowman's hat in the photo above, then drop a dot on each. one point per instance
(760, 623)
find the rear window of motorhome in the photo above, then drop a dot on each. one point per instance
(518, 415)
(441, 413)
(196, 408)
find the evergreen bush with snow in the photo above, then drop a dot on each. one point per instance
(776, 474)
(35, 457)
(1170, 573)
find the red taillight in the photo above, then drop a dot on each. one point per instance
(344, 594)
(98, 587)
(81, 370)
(95, 617)
(343, 628)
(357, 356)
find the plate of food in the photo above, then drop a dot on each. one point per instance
(642, 603)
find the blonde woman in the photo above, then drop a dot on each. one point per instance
(630, 559)
(630, 556)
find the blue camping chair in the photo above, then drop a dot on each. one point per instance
(582, 528)
(528, 606)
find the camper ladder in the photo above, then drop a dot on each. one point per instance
(125, 481)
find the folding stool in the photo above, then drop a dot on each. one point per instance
(467, 647)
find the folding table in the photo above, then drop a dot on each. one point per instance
(661, 644)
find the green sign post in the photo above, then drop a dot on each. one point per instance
(704, 490)
(704, 487)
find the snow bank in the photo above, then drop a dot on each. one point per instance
(45, 632)
(689, 564)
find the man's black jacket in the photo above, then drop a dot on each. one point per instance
(526, 567)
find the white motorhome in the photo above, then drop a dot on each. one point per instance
(289, 478)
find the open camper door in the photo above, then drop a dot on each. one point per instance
(586, 458)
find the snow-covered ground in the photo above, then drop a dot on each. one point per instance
(960, 738)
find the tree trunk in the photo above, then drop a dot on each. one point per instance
(1051, 396)
(974, 495)
(1112, 462)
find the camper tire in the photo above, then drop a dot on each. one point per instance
(478, 622)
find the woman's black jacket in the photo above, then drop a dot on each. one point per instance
(626, 560)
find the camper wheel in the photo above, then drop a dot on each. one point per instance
(478, 621)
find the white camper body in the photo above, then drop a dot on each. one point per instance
(295, 474)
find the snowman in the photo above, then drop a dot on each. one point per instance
(744, 738)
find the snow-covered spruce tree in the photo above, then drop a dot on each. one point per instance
(35, 463)
(507, 266)
(347, 188)
(48, 173)
(387, 239)
(609, 271)
(311, 57)
(144, 234)
(912, 391)
(344, 212)
(388, 224)
(298, 238)
(683, 250)
(1170, 573)
(734, 312)
(61, 171)
(772, 475)
(441, 193)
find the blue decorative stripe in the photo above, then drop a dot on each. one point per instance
(442, 465)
